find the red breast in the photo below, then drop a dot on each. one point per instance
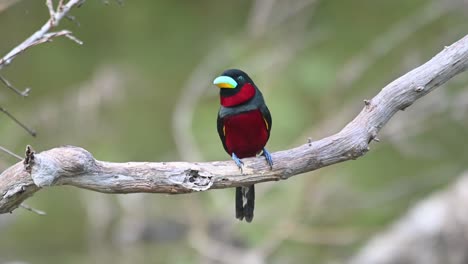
(246, 133)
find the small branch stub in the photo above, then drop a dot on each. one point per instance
(29, 160)
(14, 89)
(373, 135)
(33, 210)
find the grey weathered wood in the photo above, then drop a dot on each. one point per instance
(77, 167)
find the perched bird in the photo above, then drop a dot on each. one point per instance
(244, 125)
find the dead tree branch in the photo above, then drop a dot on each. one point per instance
(77, 167)
(11, 153)
(31, 131)
(14, 89)
(43, 35)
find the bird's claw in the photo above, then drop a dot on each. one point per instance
(238, 161)
(268, 157)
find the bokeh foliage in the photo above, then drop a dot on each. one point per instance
(116, 94)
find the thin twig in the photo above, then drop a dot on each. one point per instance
(50, 6)
(29, 208)
(60, 6)
(9, 85)
(29, 130)
(74, 20)
(40, 35)
(10, 153)
(73, 38)
(49, 37)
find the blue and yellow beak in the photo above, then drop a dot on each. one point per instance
(225, 82)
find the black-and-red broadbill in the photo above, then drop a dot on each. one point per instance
(244, 125)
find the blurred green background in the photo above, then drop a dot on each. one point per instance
(139, 89)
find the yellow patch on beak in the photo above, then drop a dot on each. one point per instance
(225, 85)
(225, 82)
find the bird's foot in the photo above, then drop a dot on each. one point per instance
(238, 162)
(268, 157)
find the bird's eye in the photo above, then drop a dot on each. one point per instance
(240, 78)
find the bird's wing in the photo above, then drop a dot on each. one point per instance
(267, 117)
(222, 131)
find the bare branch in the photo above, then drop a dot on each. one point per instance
(11, 153)
(42, 34)
(74, 39)
(48, 37)
(9, 85)
(60, 5)
(29, 208)
(50, 6)
(77, 167)
(32, 132)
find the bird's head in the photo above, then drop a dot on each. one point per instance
(236, 87)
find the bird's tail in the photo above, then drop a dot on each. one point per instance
(245, 210)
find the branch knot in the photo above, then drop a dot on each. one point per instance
(53, 164)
